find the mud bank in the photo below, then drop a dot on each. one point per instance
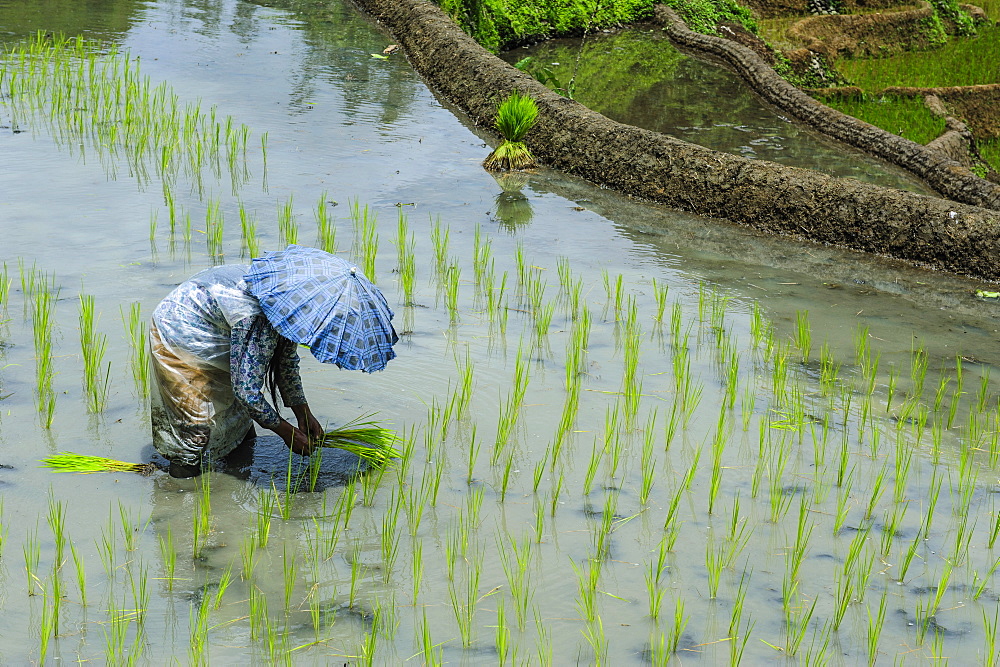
(929, 231)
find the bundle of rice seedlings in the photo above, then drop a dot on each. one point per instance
(82, 463)
(365, 438)
(514, 118)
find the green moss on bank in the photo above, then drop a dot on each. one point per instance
(501, 24)
(704, 16)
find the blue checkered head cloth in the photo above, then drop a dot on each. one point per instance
(320, 300)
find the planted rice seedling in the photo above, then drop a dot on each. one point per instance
(288, 228)
(93, 345)
(214, 225)
(138, 342)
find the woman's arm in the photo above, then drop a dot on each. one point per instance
(252, 346)
(290, 385)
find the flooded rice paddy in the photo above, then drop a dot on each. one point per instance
(633, 436)
(636, 76)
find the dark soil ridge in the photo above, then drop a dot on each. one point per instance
(774, 198)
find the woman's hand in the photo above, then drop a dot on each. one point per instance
(308, 424)
(295, 439)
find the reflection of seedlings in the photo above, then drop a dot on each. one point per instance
(258, 613)
(513, 209)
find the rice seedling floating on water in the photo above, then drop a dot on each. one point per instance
(514, 118)
(364, 437)
(82, 463)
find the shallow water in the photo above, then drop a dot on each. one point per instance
(636, 76)
(349, 125)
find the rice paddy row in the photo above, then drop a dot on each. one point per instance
(870, 463)
(92, 96)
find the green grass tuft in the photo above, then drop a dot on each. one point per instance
(515, 116)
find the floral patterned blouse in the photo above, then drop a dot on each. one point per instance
(253, 343)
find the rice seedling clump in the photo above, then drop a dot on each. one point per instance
(515, 116)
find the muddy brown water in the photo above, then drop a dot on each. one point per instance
(345, 125)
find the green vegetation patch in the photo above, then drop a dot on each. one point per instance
(991, 7)
(500, 24)
(961, 62)
(607, 73)
(905, 116)
(704, 16)
(990, 150)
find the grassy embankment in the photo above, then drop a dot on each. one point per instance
(499, 24)
(962, 61)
